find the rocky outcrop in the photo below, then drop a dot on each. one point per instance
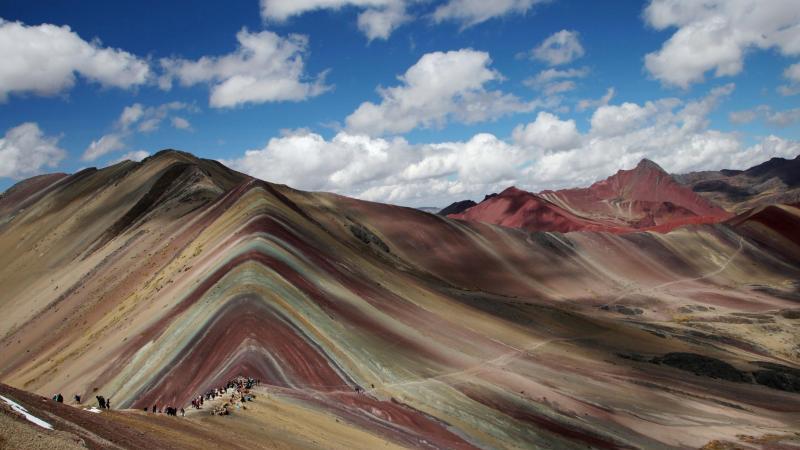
(457, 207)
(704, 366)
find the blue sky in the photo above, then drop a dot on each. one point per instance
(701, 100)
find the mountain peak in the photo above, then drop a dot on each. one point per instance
(511, 190)
(172, 153)
(647, 164)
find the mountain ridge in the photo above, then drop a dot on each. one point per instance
(643, 198)
(771, 182)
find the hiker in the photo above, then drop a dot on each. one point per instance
(108, 403)
(60, 398)
(101, 402)
(77, 398)
(183, 413)
(154, 408)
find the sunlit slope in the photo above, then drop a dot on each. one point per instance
(153, 282)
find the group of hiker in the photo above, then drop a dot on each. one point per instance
(102, 402)
(243, 383)
(238, 388)
(169, 410)
(241, 393)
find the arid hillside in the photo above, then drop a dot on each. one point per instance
(372, 325)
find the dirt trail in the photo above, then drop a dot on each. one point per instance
(714, 273)
(499, 361)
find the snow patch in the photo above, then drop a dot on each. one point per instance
(20, 409)
(93, 409)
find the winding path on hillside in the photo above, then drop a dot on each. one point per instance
(498, 361)
(711, 274)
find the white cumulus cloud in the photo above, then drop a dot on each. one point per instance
(44, 59)
(784, 118)
(380, 23)
(552, 82)
(377, 20)
(134, 119)
(438, 88)
(136, 155)
(715, 35)
(25, 151)
(473, 12)
(792, 73)
(264, 68)
(130, 115)
(384, 169)
(180, 123)
(309, 161)
(742, 117)
(775, 118)
(281, 10)
(588, 103)
(149, 119)
(551, 75)
(106, 144)
(559, 48)
(548, 133)
(611, 120)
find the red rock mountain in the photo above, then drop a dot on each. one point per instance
(643, 198)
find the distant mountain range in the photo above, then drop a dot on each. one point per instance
(775, 181)
(643, 198)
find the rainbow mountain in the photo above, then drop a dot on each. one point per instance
(152, 282)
